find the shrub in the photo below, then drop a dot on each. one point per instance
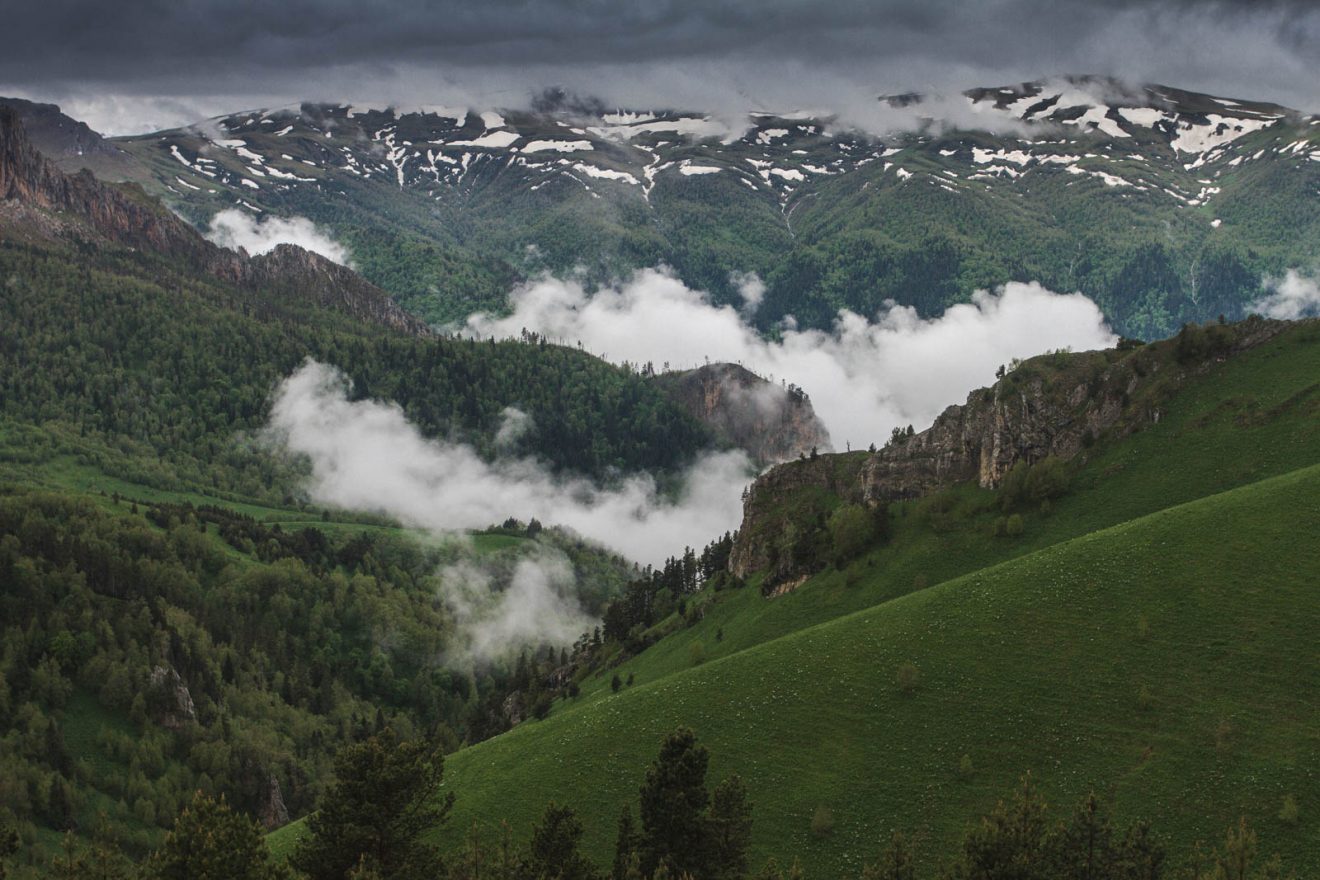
(1014, 526)
(853, 528)
(1145, 699)
(908, 678)
(1224, 735)
(1288, 813)
(697, 653)
(965, 767)
(822, 822)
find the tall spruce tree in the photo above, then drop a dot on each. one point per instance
(385, 796)
(210, 841)
(673, 801)
(553, 853)
(625, 845)
(729, 829)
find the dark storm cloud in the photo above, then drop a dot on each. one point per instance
(670, 51)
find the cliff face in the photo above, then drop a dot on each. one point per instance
(771, 423)
(1054, 405)
(39, 200)
(72, 145)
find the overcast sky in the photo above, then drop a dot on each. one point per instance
(154, 63)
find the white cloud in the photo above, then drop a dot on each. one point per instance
(365, 455)
(514, 425)
(751, 288)
(1291, 297)
(864, 376)
(538, 605)
(232, 228)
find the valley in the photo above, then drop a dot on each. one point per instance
(382, 485)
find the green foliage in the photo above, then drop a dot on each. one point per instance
(907, 678)
(553, 851)
(1289, 813)
(853, 528)
(384, 798)
(897, 863)
(209, 841)
(822, 821)
(1033, 484)
(1014, 526)
(8, 846)
(730, 830)
(812, 723)
(1016, 842)
(673, 802)
(152, 374)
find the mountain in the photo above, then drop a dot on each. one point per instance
(160, 564)
(771, 423)
(42, 202)
(1162, 205)
(71, 144)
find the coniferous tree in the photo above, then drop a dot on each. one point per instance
(729, 830)
(673, 801)
(1007, 844)
(895, 864)
(210, 841)
(625, 845)
(384, 798)
(553, 852)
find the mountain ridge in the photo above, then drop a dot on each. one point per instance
(1162, 205)
(39, 199)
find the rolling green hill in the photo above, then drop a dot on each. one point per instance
(1166, 661)
(1144, 637)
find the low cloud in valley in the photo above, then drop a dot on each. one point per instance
(233, 228)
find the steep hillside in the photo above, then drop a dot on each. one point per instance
(1163, 661)
(72, 145)
(39, 203)
(1250, 417)
(1162, 205)
(1056, 406)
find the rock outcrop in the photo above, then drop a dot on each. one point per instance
(72, 145)
(1053, 405)
(773, 424)
(36, 198)
(171, 698)
(274, 814)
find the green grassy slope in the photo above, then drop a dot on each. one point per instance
(1252, 417)
(1038, 664)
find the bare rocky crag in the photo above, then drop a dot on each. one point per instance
(72, 145)
(772, 423)
(39, 200)
(1053, 405)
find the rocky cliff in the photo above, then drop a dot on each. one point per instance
(38, 200)
(72, 145)
(1054, 405)
(773, 424)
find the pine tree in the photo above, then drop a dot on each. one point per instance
(730, 830)
(625, 845)
(384, 798)
(210, 841)
(1008, 843)
(553, 853)
(896, 864)
(673, 801)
